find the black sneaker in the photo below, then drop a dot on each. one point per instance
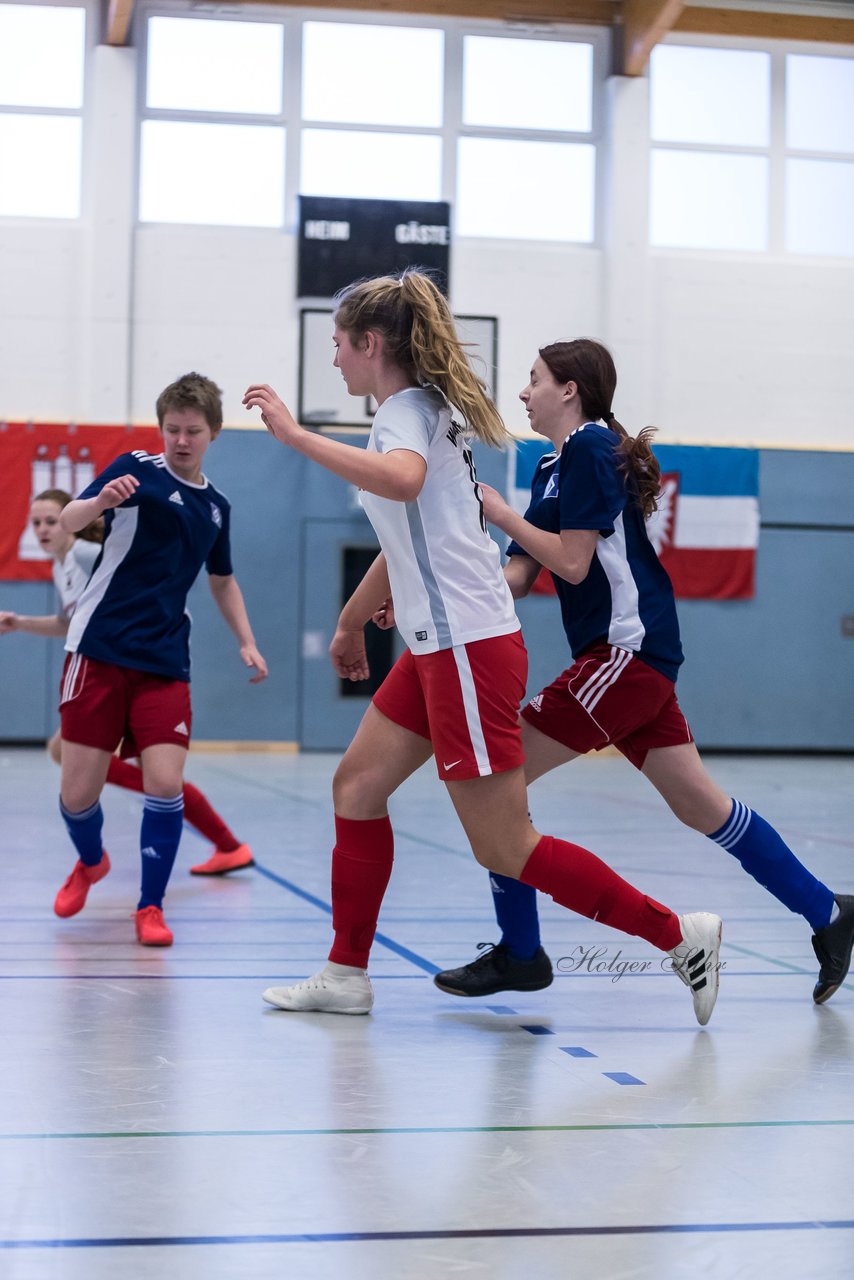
(832, 946)
(497, 970)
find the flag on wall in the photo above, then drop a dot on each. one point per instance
(706, 529)
(52, 455)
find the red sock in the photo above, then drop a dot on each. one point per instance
(577, 879)
(199, 813)
(361, 867)
(197, 810)
(121, 773)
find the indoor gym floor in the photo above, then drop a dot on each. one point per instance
(159, 1119)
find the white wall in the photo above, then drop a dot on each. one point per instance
(97, 316)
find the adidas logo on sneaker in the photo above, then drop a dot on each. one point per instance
(176, 497)
(181, 728)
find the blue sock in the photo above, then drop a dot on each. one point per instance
(85, 830)
(765, 856)
(516, 912)
(159, 838)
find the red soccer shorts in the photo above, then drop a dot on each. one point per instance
(465, 700)
(608, 697)
(100, 704)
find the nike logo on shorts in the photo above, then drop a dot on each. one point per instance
(453, 764)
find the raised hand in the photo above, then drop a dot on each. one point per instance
(275, 414)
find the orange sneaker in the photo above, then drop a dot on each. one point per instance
(151, 928)
(219, 864)
(72, 896)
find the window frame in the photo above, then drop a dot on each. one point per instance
(777, 151)
(451, 128)
(81, 113)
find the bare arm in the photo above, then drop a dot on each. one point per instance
(521, 573)
(229, 600)
(83, 511)
(568, 553)
(398, 475)
(368, 596)
(48, 625)
(347, 650)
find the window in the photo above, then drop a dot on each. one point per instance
(709, 99)
(525, 190)
(229, 67)
(403, 83)
(820, 207)
(527, 84)
(503, 128)
(717, 96)
(722, 143)
(42, 60)
(212, 174)
(206, 163)
(709, 200)
(820, 177)
(526, 160)
(376, 166)
(820, 104)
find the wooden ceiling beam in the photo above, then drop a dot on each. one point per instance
(760, 24)
(645, 22)
(119, 14)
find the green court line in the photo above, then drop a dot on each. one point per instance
(488, 1128)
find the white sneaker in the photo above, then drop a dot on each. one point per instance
(697, 960)
(336, 989)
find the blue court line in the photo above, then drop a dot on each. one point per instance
(472, 1233)
(181, 977)
(426, 965)
(575, 1051)
(660, 1126)
(419, 961)
(622, 1077)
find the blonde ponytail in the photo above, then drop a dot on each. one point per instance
(412, 315)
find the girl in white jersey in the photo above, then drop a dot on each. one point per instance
(74, 557)
(456, 691)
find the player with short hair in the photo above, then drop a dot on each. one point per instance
(128, 667)
(74, 557)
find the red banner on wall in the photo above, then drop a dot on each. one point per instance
(54, 455)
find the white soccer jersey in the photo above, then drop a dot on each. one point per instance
(444, 568)
(71, 576)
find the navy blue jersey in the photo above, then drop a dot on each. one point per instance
(627, 598)
(133, 610)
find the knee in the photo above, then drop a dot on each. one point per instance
(702, 815)
(357, 794)
(163, 786)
